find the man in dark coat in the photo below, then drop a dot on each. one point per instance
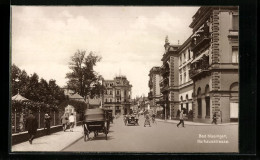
(181, 119)
(31, 125)
(214, 118)
(47, 120)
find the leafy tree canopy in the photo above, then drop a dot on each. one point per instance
(34, 89)
(82, 78)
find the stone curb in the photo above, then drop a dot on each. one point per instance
(72, 143)
(197, 124)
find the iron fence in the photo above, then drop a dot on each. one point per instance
(18, 119)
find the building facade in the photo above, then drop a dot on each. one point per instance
(154, 86)
(170, 80)
(214, 69)
(117, 95)
(185, 82)
(201, 75)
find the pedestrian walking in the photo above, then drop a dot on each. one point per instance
(72, 121)
(47, 121)
(147, 120)
(214, 118)
(64, 121)
(31, 126)
(153, 118)
(181, 119)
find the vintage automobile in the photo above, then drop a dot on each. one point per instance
(131, 119)
(95, 121)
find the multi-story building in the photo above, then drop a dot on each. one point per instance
(202, 74)
(154, 86)
(214, 69)
(117, 95)
(185, 82)
(170, 80)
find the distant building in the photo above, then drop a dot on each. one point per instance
(117, 95)
(93, 103)
(154, 86)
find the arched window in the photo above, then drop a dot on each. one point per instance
(199, 92)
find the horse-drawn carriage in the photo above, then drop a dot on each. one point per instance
(95, 120)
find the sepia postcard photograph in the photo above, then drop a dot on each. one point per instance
(124, 79)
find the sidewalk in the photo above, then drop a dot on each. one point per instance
(195, 123)
(53, 142)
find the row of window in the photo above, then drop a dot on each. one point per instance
(110, 92)
(181, 98)
(185, 77)
(185, 56)
(109, 84)
(111, 99)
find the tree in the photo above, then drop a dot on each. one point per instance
(83, 79)
(35, 90)
(19, 80)
(56, 91)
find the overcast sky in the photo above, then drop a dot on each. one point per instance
(129, 39)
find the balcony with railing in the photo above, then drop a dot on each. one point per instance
(201, 38)
(199, 67)
(164, 84)
(165, 70)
